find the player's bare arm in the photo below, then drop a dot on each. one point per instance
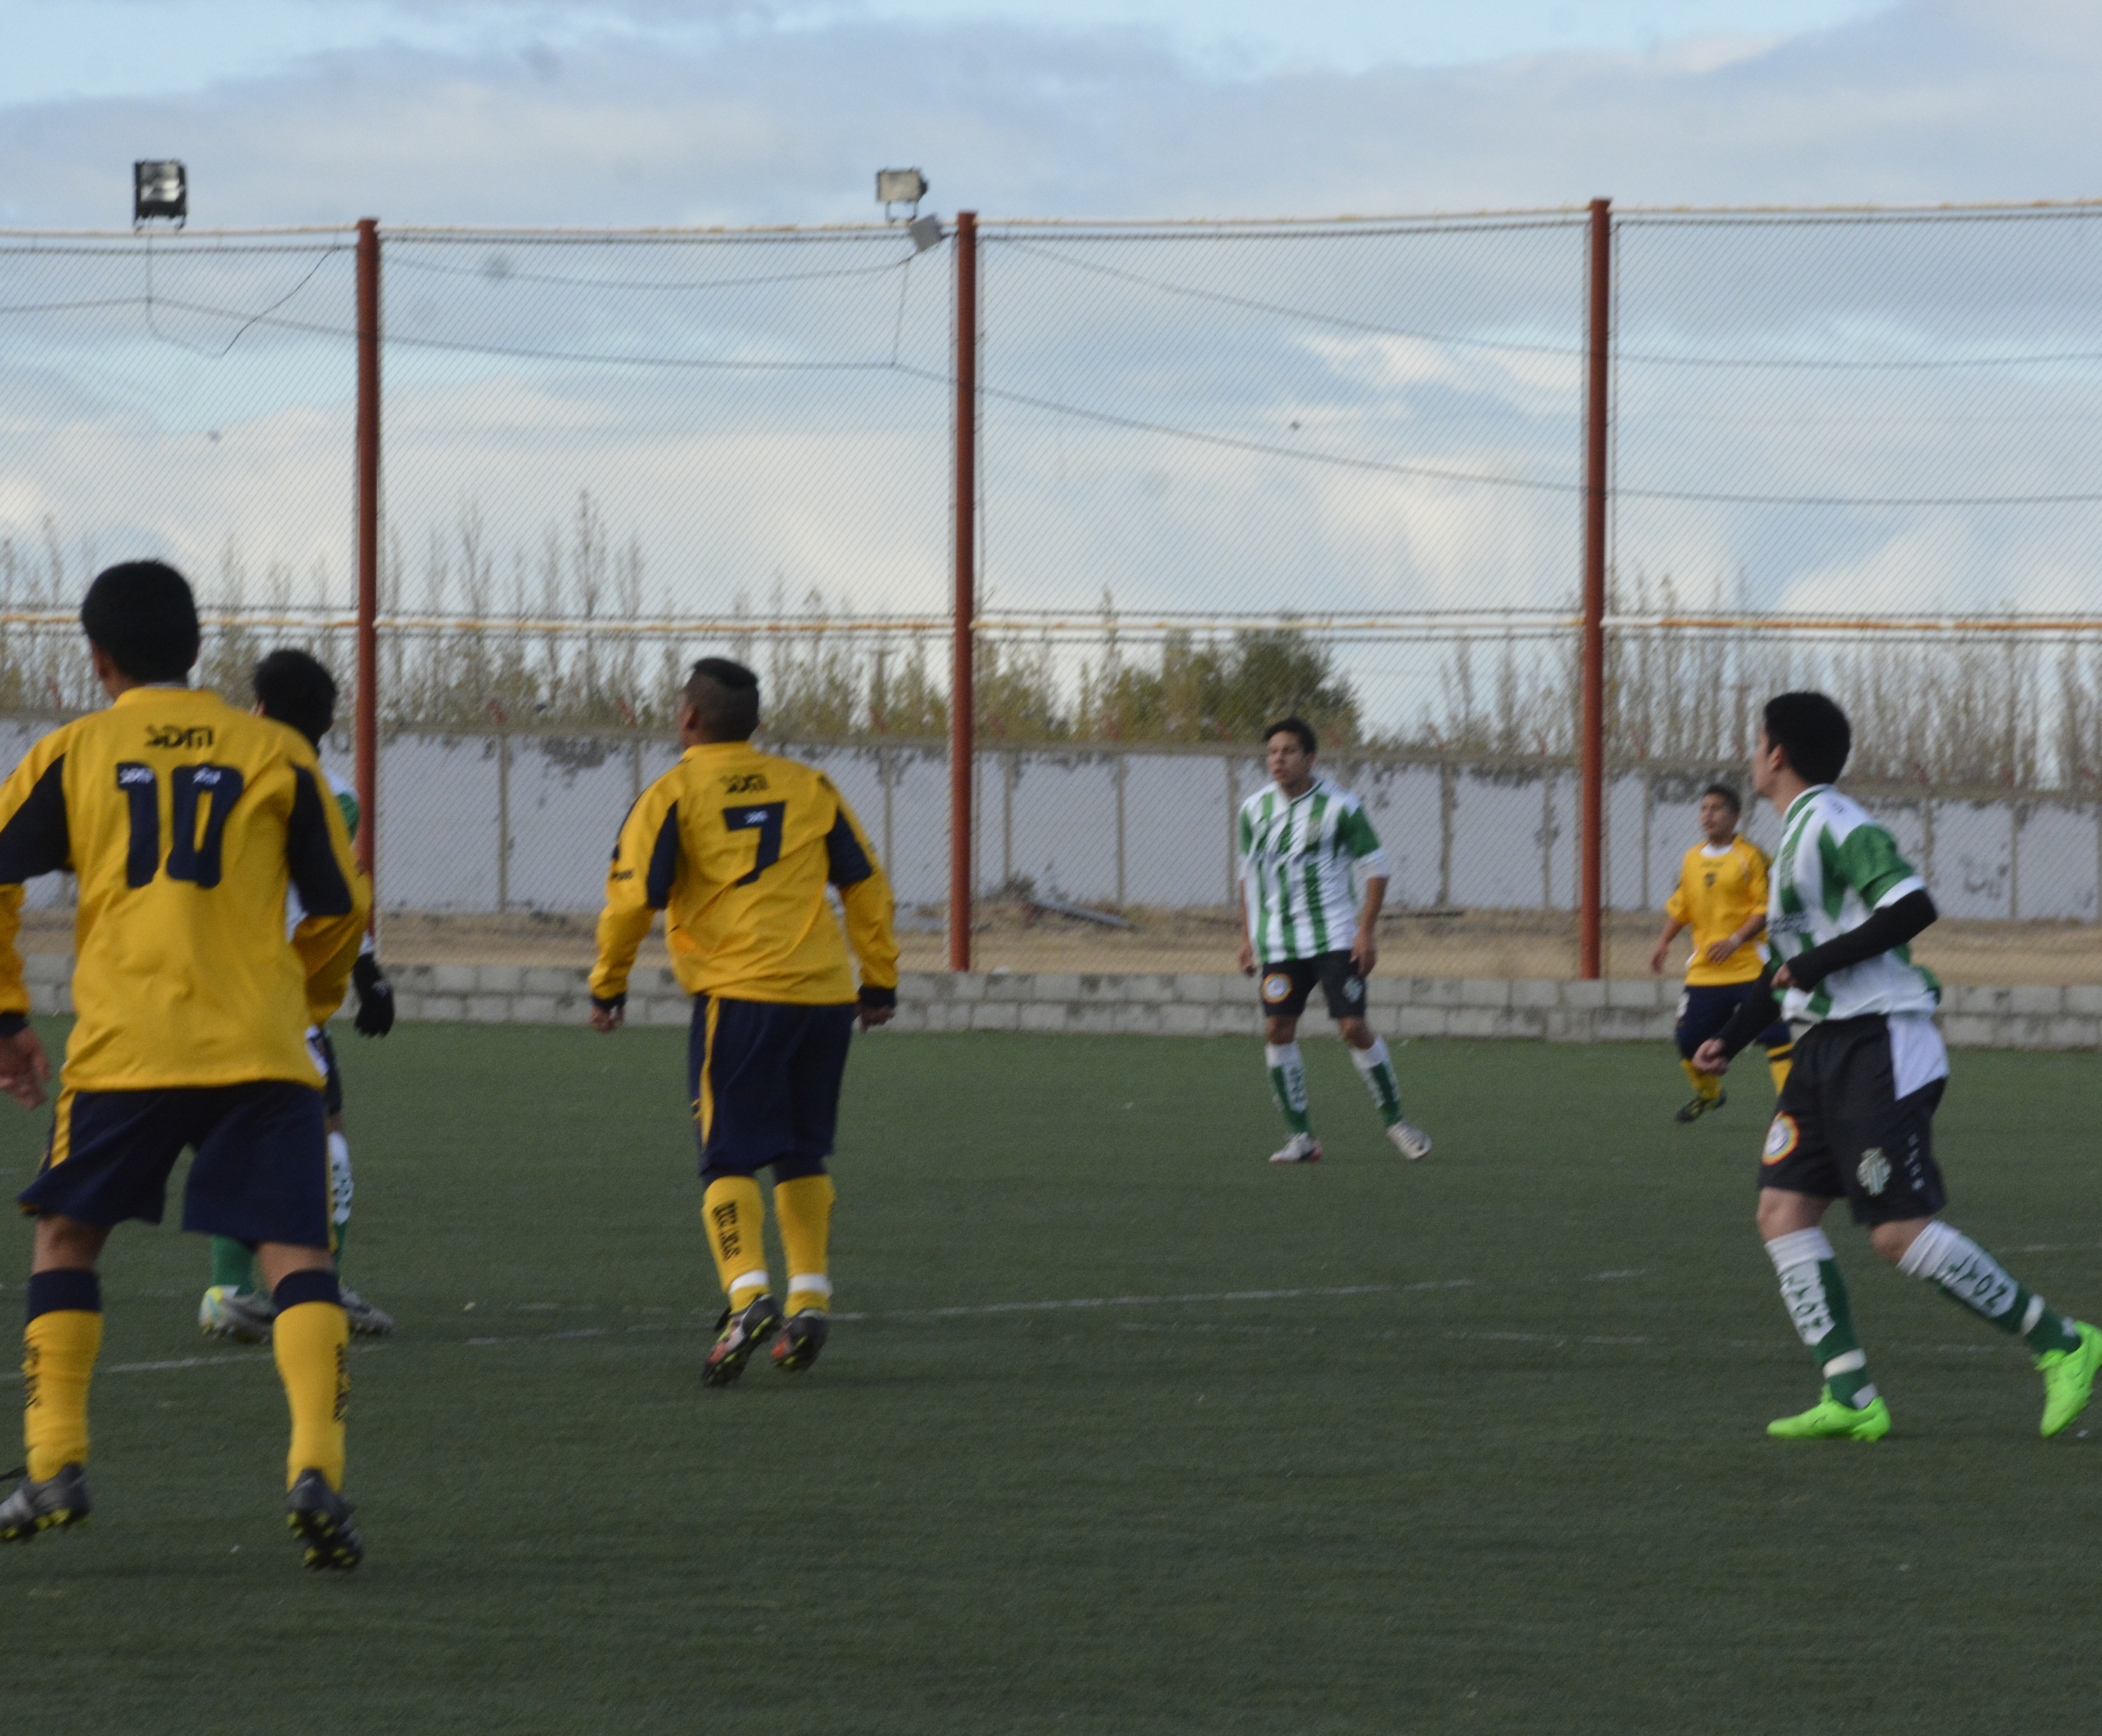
(1672, 925)
(25, 1069)
(1754, 927)
(1364, 950)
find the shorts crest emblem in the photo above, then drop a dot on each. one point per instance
(1782, 1137)
(1874, 1171)
(1276, 986)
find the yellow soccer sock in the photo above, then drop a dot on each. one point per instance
(1706, 1086)
(736, 1220)
(59, 1349)
(805, 1208)
(312, 1338)
(1778, 1063)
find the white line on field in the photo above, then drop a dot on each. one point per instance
(705, 1321)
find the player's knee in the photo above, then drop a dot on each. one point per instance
(1355, 1032)
(1780, 1213)
(62, 1241)
(1895, 1240)
(1278, 1030)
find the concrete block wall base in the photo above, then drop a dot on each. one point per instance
(1187, 1005)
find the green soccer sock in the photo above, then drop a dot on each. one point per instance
(1378, 1070)
(1288, 1084)
(1816, 1295)
(232, 1264)
(1965, 1273)
(339, 1233)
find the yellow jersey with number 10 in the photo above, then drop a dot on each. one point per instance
(736, 847)
(185, 821)
(1718, 889)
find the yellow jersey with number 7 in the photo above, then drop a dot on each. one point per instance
(185, 822)
(736, 847)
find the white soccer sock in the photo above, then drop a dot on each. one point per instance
(1796, 1258)
(1367, 1058)
(1944, 1255)
(339, 1183)
(1284, 1059)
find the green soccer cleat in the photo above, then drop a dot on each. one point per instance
(1700, 1106)
(59, 1500)
(2068, 1379)
(320, 1518)
(801, 1341)
(1829, 1419)
(739, 1334)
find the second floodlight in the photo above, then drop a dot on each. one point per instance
(899, 187)
(159, 192)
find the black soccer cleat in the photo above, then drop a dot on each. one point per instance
(59, 1500)
(798, 1346)
(1700, 1106)
(737, 1336)
(320, 1518)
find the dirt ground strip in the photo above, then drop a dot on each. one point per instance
(1463, 943)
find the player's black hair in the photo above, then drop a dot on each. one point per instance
(1726, 793)
(294, 688)
(142, 614)
(725, 696)
(1811, 730)
(1298, 726)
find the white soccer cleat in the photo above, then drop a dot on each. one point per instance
(227, 1313)
(1302, 1147)
(366, 1320)
(1411, 1141)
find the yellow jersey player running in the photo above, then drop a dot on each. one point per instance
(1722, 897)
(737, 848)
(185, 822)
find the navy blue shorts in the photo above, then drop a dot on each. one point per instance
(261, 1175)
(1704, 1008)
(763, 1078)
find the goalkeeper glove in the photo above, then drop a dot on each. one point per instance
(376, 997)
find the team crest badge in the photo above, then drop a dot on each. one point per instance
(1781, 1139)
(1277, 986)
(1354, 989)
(1874, 1171)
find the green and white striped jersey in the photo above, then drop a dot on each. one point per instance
(1835, 866)
(1300, 861)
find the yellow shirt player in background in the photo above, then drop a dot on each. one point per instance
(1722, 896)
(185, 822)
(737, 848)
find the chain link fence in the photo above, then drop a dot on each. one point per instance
(1226, 471)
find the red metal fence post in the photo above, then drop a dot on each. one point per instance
(1591, 846)
(368, 543)
(962, 733)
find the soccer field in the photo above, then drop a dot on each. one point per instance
(1123, 1430)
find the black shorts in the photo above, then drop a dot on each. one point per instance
(261, 1175)
(1704, 1008)
(764, 1077)
(323, 1052)
(1840, 1128)
(1286, 984)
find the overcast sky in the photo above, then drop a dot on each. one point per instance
(752, 110)
(1886, 363)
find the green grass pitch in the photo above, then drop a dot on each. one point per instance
(1499, 1465)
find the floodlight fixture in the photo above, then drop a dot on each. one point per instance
(900, 186)
(159, 192)
(926, 232)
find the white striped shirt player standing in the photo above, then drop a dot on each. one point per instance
(1306, 845)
